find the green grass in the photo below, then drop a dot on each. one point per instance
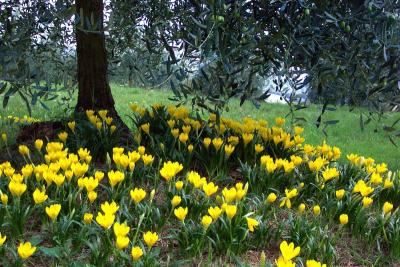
(347, 134)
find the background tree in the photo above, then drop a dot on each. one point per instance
(36, 59)
(211, 50)
(347, 50)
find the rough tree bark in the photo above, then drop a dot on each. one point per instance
(94, 89)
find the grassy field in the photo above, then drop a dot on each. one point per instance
(347, 134)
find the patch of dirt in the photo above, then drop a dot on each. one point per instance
(12, 155)
(352, 252)
(42, 130)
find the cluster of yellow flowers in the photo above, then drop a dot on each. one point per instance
(15, 119)
(320, 160)
(99, 120)
(182, 127)
(114, 201)
(272, 165)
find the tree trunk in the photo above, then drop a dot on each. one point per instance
(94, 90)
(130, 74)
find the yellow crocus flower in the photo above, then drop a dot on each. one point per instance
(121, 229)
(344, 219)
(230, 211)
(251, 223)
(206, 221)
(87, 218)
(136, 253)
(122, 242)
(387, 207)
(214, 212)
(39, 196)
(105, 220)
(150, 238)
(25, 250)
(147, 159)
(53, 210)
(137, 195)
(210, 189)
(176, 200)
(2, 239)
(115, 177)
(109, 208)
(181, 213)
(217, 143)
(17, 189)
(288, 251)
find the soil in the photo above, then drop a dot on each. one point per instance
(39, 130)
